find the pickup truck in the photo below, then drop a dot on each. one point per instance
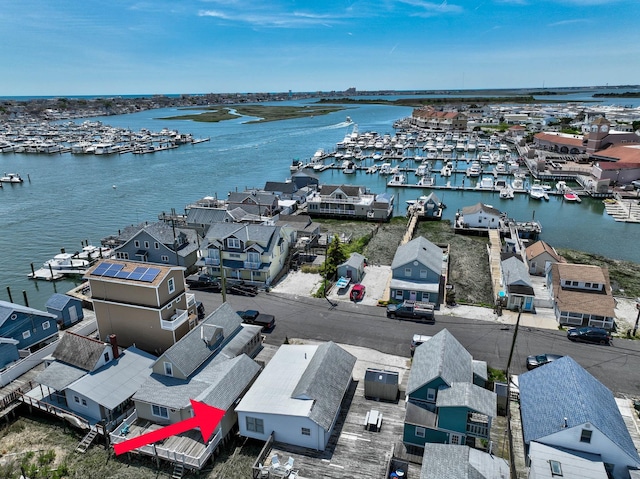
(417, 310)
(203, 282)
(251, 316)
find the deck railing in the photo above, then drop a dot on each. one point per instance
(176, 320)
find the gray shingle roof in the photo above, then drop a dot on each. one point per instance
(450, 461)
(419, 249)
(252, 233)
(469, 210)
(58, 301)
(442, 356)
(355, 260)
(79, 351)
(515, 272)
(324, 381)
(207, 216)
(192, 351)
(470, 396)
(58, 375)
(563, 389)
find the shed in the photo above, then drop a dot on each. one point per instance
(381, 384)
(67, 309)
(353, 268)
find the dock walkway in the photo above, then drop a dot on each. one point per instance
(494, 248)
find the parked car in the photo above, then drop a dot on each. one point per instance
(203, 282)
(540, 360)
(417, 340)
(411, 310)
(357, 292)
(251, 316)
(589, 335)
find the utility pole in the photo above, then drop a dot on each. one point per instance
(223, 280)
(512, 456)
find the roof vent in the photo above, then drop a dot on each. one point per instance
(565, 423)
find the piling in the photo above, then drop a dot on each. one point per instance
(26, 300)
(9, 293)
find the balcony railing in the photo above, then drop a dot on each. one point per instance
(336, 211)
(252, 265)
(211, 261)
(176, 320)
(478, 429)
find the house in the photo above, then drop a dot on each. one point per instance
(427, 207)
(144, 304)
(350, 202)
(353, 268)
(446, 399)
(255, 253)
(30, 327)
(539, 255)
(211, 364)
(303, 179)
(298, 396)
(92, 378)
(67, 309)
(547, 462)
(255, 203)
(303, 226)
(517, 285)
(429, 117)
(563, 406)
(581, 295)
(417, 272)
(448, 461)
(479, 216)
(159, 243)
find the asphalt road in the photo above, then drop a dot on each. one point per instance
(616, 366)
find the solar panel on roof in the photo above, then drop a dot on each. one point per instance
(122, 274)
(136, 276)
(100, 269)
(150, 275)
(140, 269)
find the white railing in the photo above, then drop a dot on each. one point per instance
(191, 299)
(336, 211)
(176, 320)
(478, 429)
(211, 261)
(354, 200)
(252, 265)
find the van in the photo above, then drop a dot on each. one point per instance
(417, 340)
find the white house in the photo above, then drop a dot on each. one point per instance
(297, 396)
(481, 216)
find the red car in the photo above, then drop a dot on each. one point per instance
(357, 292)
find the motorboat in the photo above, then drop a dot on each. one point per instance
(398, 179)
(66, 262)
(500, 168)
(561, 187)
(572, 197)
(295, 166)
(537, 192)
(474, 169)
(427, 181)
(446, 170)
(517, 184)
(349, 168)
(385, 169)
(422, 169)
(507, 193)
(486, 183)
(11, 178)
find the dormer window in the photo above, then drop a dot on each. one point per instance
(233, 243)
(168, 369)
(585, 436)
(556, 468)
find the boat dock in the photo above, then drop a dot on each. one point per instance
(49, 274)
(624, 210)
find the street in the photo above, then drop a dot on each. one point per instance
(315, 319)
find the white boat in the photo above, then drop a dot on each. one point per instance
(474, 169)
(486, 182)
(507, 193)
(385, 169)
(446, 170)
(91, 252)
(484, 158)
(11, 178)
(427, 181)
(295, 166)
(349, 168)
(398, 179)
(422, 169)
(517, 184)
(500, 168)
(377, 156)
(537, 192)
(561, 186)
(103, 149)
(372, 169)
(66, 262)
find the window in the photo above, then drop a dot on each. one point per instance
(254, 424)
(587, 285)
(84, 402)
(586, 435)
(159, 411)
(399, 294)
(454, 439)
(306, 431)
(407, 272)
(431, 394)
(556, 468)
(26, 334)
(423, 273)
(233, 243)
(136, 243)
(164, 258)
(122, 255)
(168, 369)
(156, 245)
(46, 325)
(146, 244)
(76, 399)
(172, 285)
(106, 357)
(420, 431)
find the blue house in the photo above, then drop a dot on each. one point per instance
(29, 327)
(68, 310)
(565, 407)
(517, 283)
(446, 399)
(417, 272)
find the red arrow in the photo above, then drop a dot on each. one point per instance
(205, 417)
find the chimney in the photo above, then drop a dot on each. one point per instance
(113, 340)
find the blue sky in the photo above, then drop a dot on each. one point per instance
(73, 47)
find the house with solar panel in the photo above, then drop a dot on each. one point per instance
(93, 379)
(23, 328)
(564, 407)
(446, 401)
(254, 253)
(159, 243)
(211, 364)
(144, 304)
(298, 395)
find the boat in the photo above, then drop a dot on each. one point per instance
(348, 120)
(500, 168)
(486, 183)
(446, 170)
(372, 169)
(66, 262)
(537, 192)
(385, 169)
(295, 166)
(561, 187)
(572, 197)
(507, 193)
(11, 178)
(517, 184)
(398, 179)
(474, 169)
(427, 181)
(423, 169)
(349, 168)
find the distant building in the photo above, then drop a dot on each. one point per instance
(428, 117)
(350, 202)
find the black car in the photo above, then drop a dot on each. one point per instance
(540, 360)
(589, 335)
(251, 316)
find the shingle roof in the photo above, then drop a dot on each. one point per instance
(450, 461)
(515, 272)
(79, 351)
(206, 216)
(540, 247)
(355, 260)
(58, 376)
(563, 389)
(419, 249)
(247, 233)
(469, 210)
(470, 396)
(58, 301)
(192, 351)
(581, 301)
(442, 356)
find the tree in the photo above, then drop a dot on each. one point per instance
(335, 256)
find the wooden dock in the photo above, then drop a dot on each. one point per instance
(626, 211)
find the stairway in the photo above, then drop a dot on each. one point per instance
(178, 471)
(87, 440)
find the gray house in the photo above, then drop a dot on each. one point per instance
(200, 218)
(257, 203)
(417, 272)
(66, 308)
(160, 243)
(448, 461)
(353, 268)
(517, 284)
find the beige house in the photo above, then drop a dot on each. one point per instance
(539, 255)
(144, 304)
(581, 295)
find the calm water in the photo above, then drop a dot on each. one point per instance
(70, 197)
